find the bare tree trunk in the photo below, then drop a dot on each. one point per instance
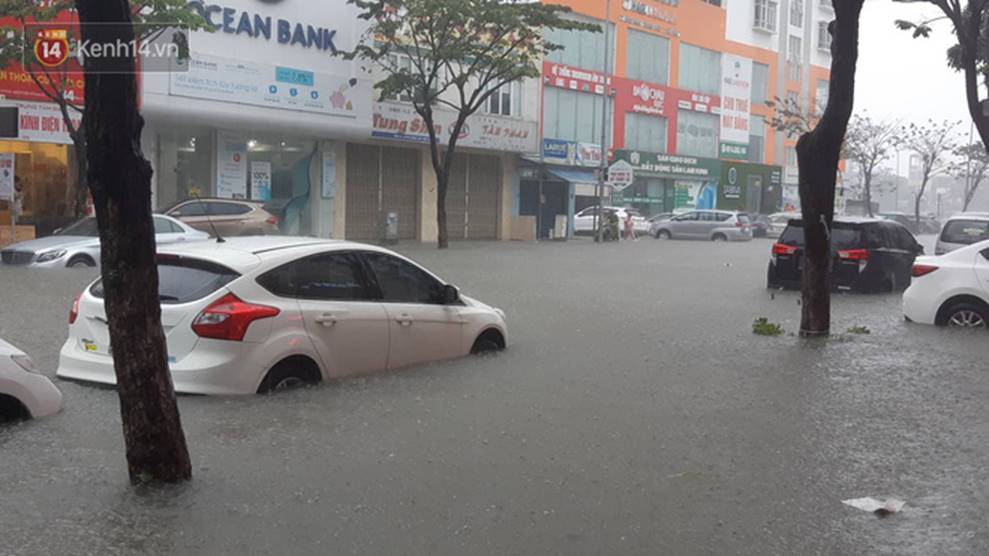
(77, 200)
(442, 180)
(868, 194)
(917, 198)
(818, 152)
(120, 181)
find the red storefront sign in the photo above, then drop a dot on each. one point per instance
(16, 83)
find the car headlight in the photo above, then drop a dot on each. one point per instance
(24, 362)
(51, 255)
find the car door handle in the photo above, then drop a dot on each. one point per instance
(404, 319)
(327, 319)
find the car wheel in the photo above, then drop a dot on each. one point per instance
(488, 342)
(967, 315)
(664, 234)
(719, 237)
(81, 262)
(294, 372)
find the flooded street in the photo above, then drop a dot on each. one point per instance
(634, 412)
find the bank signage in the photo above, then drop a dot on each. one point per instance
(670, 165)
(234, 21)
(399, 122)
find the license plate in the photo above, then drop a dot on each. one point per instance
(89, 346)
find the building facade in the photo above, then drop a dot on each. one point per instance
(678, 88)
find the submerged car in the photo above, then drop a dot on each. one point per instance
(266, 313)
(226, 217)
(711, 225)
(951, 290)
(961, 230)
(869, 255)
(78, 245)
(24, 392)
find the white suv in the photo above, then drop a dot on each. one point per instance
(961, 230)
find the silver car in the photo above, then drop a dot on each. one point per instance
(961, 230)
(78, 245)
(712, 225)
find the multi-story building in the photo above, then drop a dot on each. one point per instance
(678, 88)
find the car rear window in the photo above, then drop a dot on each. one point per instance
(743, 218)
(842, 236)
(965, 232)
(184, 280)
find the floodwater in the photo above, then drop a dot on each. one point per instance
(634, 412)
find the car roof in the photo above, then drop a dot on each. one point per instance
(854, 220)
(244, 253)
(970, 216)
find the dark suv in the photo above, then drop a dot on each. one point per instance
(870, 255)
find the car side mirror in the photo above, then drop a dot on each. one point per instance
(451, 294)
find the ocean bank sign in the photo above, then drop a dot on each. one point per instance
(235, 21)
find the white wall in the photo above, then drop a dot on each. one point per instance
(740, 14)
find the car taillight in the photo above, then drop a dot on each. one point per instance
(227, 318)
(740, 224)
(74, 313)
(922, 270)
(273, 220)
(854, 254)
(784, 249)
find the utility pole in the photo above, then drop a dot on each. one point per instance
(598, 218)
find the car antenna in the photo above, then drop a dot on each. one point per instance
(219, 238)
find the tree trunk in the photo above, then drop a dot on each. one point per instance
(818, 152)
(868, 194)
(442, 180)
(119, 179)
(79, 191)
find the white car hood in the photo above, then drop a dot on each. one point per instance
(52, 242)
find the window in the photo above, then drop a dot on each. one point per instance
(648, 57)
(327, 276)
(573, 116)
(985, 254)
(823, 37)
(581, 49)
(797, 13)
(821, 93)
(85, 227)
(760, 83)
(793, 53)
(697, 134)
(226, 209)
(700, 69)
(765, 15)
(401, 63)
(403, 282)
(184, 280)
(757, 138)
(195, 208)
(965, 232)
(709, 217)
(163, 226)
(689, 217)
(725, 216)
(505, 100)
(791, 157)
(645, 133)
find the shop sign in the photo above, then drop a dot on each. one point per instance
(732, 189)
(776, 176)
(572, 153)
(699, 102)
(736, 94)
(231, 166)
(259, 84)
(641, 97)
(261, 180)
(567, 77)
(7, 176)
(400, 122)
(670, 164)
(242, 22)
(42, 122)
(736, 151)
(651, 9)
(620, 175)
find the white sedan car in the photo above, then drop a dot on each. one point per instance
(78, 245)
(23, 391)
(951, 290)
(265, 313)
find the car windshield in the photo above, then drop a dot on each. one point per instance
(843, 236)
(86, 227)
(965, 232)
(183, 280)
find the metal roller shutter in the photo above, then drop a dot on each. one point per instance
(484, 183)
(456, 199)
(381, 180)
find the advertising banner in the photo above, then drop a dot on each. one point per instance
(572, 153)
(271, 86)
(401, 123)
(671, 165)
(42, 122)
(695, 195)
(7, 176)
(567, 77)
(231, 166)
(261, 180)
(736, 94)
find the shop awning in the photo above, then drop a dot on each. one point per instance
(571, 175)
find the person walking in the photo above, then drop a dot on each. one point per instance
(629, 226)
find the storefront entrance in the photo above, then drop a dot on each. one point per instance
(472, 197)
(545, 201)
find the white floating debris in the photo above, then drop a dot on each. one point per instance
(872, 505)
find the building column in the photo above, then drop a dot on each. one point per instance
(428, 230)
(339, 201)
(510, 184)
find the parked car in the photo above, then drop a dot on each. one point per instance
(583, 222)
(227, 217)
(927, 224)
(265, 313)
(712, 225)
(961, 230)
(778, 222)
(655, 219)
(951, 290)
(24, 392)
(79, 244)
(870, 255)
